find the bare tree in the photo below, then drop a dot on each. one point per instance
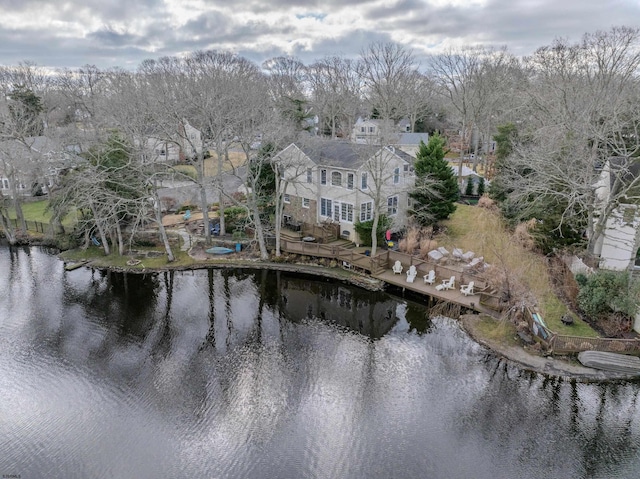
(386, 70)
(335, 92)
(581, 112)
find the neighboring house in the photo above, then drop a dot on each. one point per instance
(32, 167)
(162, 151)
(190, 140)
(370, 131)
(334, 181)
(619, 245)
(466, 174)
(410, 142)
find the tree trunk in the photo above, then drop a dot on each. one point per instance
(223, 228)
(17, 205)
(119, 236)
(203, 201)
(264, 254)
(161, 228)
(103, 236)
(7, 228)
(374, 232)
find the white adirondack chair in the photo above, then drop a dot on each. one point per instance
(397, 267)
(467, 289)
(430, 278)
(447, 284)
(411, 274)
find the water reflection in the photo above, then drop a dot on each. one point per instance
(230, 373)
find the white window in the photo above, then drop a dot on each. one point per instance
(5, 184)
(325, 207)
(309, 175)
(305, 202)
(346, 212)
(371, 129)
(366, 211)
(323, 177)
(392, 205)
(281, 172)
(396, 176)
(362, 129)
(363, 181)
(286, 198)
(350, 181)
(336, 178)
(336, 211)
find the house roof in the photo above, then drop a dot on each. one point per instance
(344, 154)
(410, 139)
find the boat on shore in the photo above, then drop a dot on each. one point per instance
(619, 363)
(219, 250)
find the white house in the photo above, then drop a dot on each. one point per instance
(335, 181)
(369, 131)
(619, 244)
(32, 166)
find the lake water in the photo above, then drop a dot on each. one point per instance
(260, 374)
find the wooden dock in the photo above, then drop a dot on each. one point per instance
(453, 296)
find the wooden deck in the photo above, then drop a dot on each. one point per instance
(379, 267)
(418, 286)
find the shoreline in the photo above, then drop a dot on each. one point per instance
(518, 355)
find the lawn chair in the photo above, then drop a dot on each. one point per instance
(397, 267)
(467, 289)
(411, 274)
(447, 284)
(187, 215)
(430, 278)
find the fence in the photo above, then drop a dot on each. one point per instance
(565, 344)
(36, 226)
(560, 343)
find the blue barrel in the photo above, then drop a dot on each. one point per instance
(238, 247)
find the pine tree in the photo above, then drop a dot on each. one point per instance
(469, 189)
(436, 190)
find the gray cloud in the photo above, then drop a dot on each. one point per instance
(125, 32)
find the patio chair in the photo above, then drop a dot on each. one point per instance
(467, 289)
(430, 278)
(411, 274)
(397, 267)
(187, 215)
(447, 284)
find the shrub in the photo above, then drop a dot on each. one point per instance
(607, 292)
(364, 230)
(411, 242)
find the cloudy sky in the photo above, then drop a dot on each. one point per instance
(106, 33)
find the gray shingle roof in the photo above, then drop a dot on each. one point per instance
(343, 154)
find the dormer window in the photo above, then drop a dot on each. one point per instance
(336, 178)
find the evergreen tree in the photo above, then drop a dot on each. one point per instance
(436, 190)
(480, 191)
(25, 110)
(469, 189)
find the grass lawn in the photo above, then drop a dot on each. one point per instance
(500, 331)
(482, 231)
(236, 159)
(37, 211)
(96, 255)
